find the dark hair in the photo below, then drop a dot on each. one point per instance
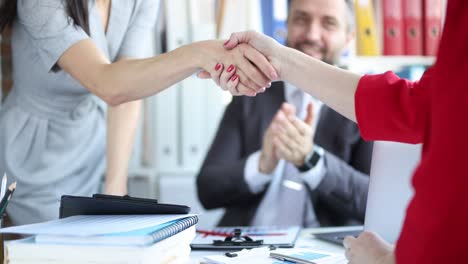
(351, 15)
(77, 10)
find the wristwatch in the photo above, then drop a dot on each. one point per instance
(312, 159)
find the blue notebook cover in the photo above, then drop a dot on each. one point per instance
(140, 237)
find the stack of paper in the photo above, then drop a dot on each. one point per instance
(104, 239)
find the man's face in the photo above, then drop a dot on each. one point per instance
(319, 28)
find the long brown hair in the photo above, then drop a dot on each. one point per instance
(76, 9)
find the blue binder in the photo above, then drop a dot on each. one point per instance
(274, 16)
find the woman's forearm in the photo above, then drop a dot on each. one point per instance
(333, 86)
(129, 80)
(122, 123)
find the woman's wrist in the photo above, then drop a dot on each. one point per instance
(203, 52)
(288, 61)
(283, 62)
(388, 258)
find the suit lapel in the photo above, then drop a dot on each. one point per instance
(322, 123)
(332, 130)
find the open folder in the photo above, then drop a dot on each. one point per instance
(284, 237)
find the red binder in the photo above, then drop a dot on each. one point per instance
(393, 43)
(432, 26)
(413, 26)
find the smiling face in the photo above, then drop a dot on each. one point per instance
(319, 28)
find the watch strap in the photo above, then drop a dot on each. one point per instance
(312, 159)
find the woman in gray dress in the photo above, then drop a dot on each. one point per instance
(70, 58)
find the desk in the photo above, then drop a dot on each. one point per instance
(305, 239)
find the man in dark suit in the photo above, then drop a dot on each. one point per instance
(283, 158)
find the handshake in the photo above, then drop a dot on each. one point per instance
(247, 65)
(248, 62)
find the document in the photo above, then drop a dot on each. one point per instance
(277, 236)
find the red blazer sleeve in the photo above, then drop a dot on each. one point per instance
(391, 108)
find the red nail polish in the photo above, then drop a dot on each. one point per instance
(230, 68)
(218, 66)
(234, 78)
(227, 41)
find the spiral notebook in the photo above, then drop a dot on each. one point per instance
(138, 230)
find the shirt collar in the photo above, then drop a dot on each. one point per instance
(289, 89)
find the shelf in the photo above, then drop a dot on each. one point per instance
(393, 60)
(378, 64)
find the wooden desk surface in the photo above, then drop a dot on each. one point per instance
(306, 239)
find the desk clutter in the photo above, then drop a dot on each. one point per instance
(105, 239)
(245, 237)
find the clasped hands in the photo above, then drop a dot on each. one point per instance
(288, 138)
(244, 65)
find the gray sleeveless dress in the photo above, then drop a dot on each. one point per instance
(52, 129)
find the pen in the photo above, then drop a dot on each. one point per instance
(227, 234)
(6, 198)
(3, 187)
(282, 259)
